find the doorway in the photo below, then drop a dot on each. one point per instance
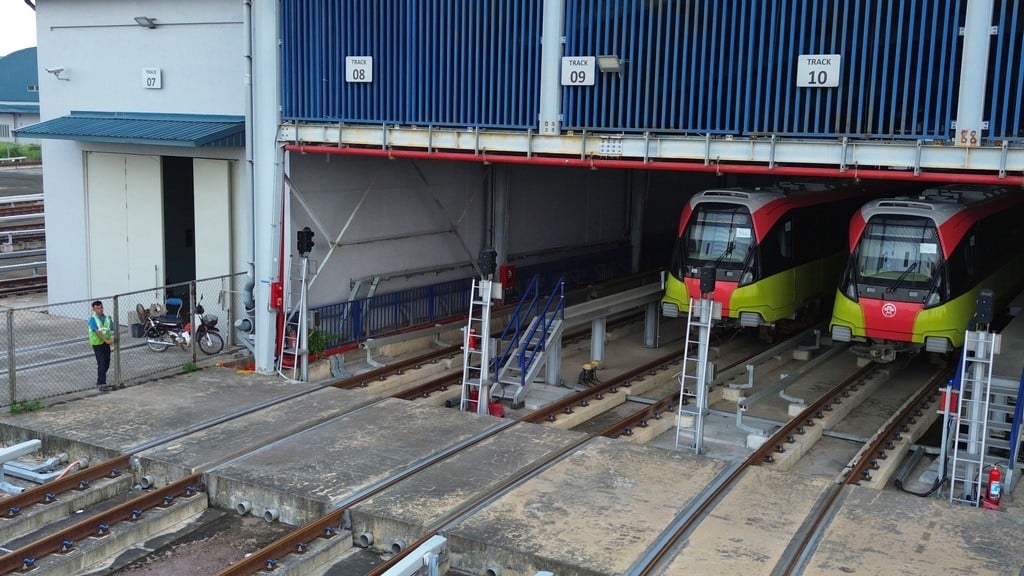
(179, 220)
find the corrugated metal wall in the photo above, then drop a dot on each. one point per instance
(1005, 100)
(447, 62)
(702, 66)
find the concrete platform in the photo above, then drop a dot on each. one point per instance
(893, 533)
(305, 475)
(100, 426)
(206, 449)
(404, 512)
(737, 538)
(595, 512)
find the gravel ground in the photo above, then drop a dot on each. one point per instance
(201, 548)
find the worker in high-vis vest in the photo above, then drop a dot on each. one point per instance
(101, 336)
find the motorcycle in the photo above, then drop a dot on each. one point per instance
(162, 331)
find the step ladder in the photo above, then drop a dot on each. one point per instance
(293, 352)
(970, 426)
(693, 385)
(530, 349)
(476, 353)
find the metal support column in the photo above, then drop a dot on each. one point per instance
(597, 334)
(652, 318)
(973, 72)
(554, 363)
(638, 184)
(264, 171)
(499, 214)
(550, 121)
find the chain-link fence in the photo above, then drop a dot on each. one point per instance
(47, 353)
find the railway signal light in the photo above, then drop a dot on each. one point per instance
(986, 306)
(305, 241)
(487, 261)
(707, 279)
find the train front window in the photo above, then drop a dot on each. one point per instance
(898, 252)
(718, 233)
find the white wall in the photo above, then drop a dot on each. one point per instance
(198, 47)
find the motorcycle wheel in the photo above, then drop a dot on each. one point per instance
(210, 343)
(159, 344)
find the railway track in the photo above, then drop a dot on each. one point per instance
(332, 524)
(23, 238)
(28, 554)
(26, 285)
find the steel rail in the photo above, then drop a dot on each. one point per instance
(612, 430)
(876, 448)
(442, 383)
(97, 525)
(655, 557)
(50, 492)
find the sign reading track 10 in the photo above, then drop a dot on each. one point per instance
(818, 70)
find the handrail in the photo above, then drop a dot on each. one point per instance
(515, 321)
(545, 321)
(1018, 413)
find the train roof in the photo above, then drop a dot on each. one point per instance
(756, 198)
(936, 204)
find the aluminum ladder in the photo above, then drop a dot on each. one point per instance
(693, 386)
(293, 352)
(969, 450)
(476, 353)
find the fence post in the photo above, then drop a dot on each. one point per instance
(117, 341)
(11, 372)
(191, 317)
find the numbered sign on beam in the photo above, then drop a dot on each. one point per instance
(578, 70)
(818, 70)
(359, 69)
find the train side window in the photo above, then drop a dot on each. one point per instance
(786, 238)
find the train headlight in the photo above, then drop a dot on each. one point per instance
(747, 278)
(842, 333)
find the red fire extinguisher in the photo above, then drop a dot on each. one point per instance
(995, 488)
(472, 339)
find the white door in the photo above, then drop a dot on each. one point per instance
(212, 184)
(125, 219)
(144, 210)
(107, 229)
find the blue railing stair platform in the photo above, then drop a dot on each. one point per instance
(531, 338)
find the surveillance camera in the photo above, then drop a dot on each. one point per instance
(55, 70)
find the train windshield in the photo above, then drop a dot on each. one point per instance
(718, 233)
(898, 252)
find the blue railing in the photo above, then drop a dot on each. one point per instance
(512, 334)
(348, 322)
(554, 309)
(1018, 413)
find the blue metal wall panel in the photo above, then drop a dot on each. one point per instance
(707, 66)
(1005, 98)
(440, 62)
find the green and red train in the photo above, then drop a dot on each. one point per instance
(916, 265)
(777, 251)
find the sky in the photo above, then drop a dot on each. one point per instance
(17, 26)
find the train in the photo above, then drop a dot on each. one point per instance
(776, 252)
(916, 266)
